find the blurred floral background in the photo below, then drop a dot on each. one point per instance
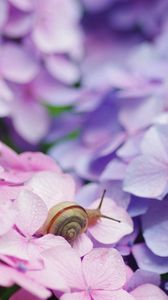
(86, 83)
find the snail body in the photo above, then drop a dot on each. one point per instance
(69, 220)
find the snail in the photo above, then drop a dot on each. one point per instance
(69, 220)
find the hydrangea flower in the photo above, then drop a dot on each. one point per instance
(100, 275)
(116, 54)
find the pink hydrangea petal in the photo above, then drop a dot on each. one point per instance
(8, 157)
(13, 244)
(104, 269)
(9, 193)
(5, 91)
(62, 69)
(50, 241)
(67, 261)
(18, 23)
(5, 279)
(54, 93)
(14, 178)
(50, 276)
(149, 292)
(155, 228)
(108, 231)
(6, 96)
(59, 15)
(75, 296)
(23, 294)
(155, 143)
(17, 64)
(29, 127)
(52, 187)
(83, 244)
(146, 177)
(46, 274)
(12, 276)
(21, 265)
(111, 295)
(38, 161)
(4, 106)
(129, 273)
(32, 212)
(25, 5)
(8, 215)
(1, 172)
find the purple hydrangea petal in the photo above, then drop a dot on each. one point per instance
(146, 177)
(155, 228)
(148, 261)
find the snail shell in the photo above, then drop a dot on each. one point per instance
(66, 219)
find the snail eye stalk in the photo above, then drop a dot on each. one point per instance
(101, 200)
(109, 218)
(99, 208)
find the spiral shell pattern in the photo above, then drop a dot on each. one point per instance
(68, 220)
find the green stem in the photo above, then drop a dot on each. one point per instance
(8, 292)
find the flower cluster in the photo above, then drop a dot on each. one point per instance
(31, 184)
(37, 60)
(85, 81)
